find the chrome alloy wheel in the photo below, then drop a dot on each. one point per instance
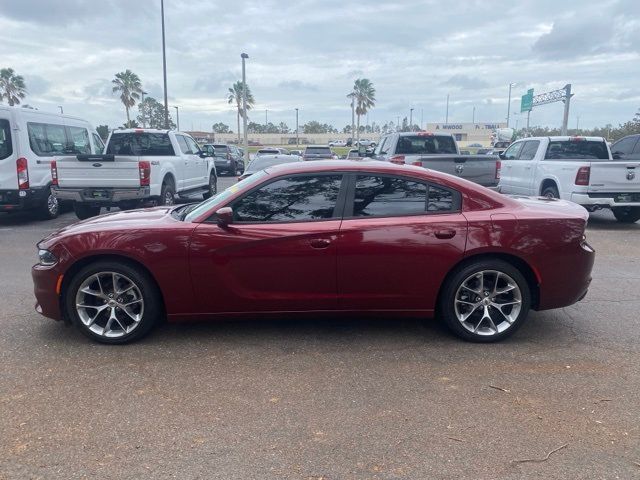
(52, 205)
(168, 198)
(109, 304)
(488, 302)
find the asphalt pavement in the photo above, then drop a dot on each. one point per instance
(325, 399)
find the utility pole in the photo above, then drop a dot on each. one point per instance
(244, 56)
(164, 69)
(509, 103)
(528, 116)
(473, 118)
(421, 118)
(567, 102)
(577, 124)
(265, 117)
(398, 124)
(446, 118)
(144, 123)
(411, 119)
(297, 138)
(177, 118)
(353, 115)
(61, 111)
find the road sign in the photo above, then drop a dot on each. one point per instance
(526, 104)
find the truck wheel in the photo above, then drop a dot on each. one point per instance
(213, 186)
(50, 208)
(550, 191)
(167, 194)
(128, 205)
(85, 211)
(626, 214)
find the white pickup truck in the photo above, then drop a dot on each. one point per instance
(139, 166)
(579, 169)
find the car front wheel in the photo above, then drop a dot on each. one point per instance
(626, 214)
(485, 301)
(112, 303)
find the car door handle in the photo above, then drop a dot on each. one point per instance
(320, 243)
(444, 234)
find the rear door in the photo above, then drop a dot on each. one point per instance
(8, 156)
(399, 238)
(627, 148)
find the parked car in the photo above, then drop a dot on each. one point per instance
(139, 166)
(265, 161)
(363, 142)
(321, 237)
(228, 158)
(338, 143)
(354, 154)
(29, 141)
(627, 148)
(580, 169)
(438, 151)
(318, 152)
(296, 152)
(272, 151)
(475, 145)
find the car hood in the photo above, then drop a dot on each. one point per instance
(116, 221)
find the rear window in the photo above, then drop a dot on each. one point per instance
(260, 163)
(318, 151)
(577, 149)
(6, 149)
(221, 150)
(426, 145)
(143, 143)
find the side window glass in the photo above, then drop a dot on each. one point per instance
(296, 198)
(193, 146)
(624, 146)
(636, 150)
(529, 150)
(98, 143)
(379, 150)
(78, 141)
(388, 196)
(6, 148)
(440, 200)
(182, 143)
(47, 139)
(512, 152)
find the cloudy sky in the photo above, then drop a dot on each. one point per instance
(307, 53)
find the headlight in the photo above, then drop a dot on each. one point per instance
(47, 258)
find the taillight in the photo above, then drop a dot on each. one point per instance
(582, 177)
(397, 159)
(54, 173)
(145, 173)
(498, 168)
(417, 163)
(23, 173)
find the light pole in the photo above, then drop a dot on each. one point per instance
(60, 107)
(266, 112)
(144, 123)
(177, 118)
(473, 118)
(398, 124)
(297, 140)
(164, 69)
(411, 119)
(244, 56)
(421, 118)
(509, 103)
(446, 117)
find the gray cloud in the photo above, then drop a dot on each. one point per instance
(466, 83)
(36, 85)
(298, 85)
(575, 37)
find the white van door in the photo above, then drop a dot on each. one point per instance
(8, 155)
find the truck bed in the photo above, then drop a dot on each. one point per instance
(480, 169)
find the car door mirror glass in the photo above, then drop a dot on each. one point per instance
(224, 216)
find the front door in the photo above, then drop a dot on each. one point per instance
(200, 164)
(279, 253)
(507, 175)
(398, 240)
(523, 168)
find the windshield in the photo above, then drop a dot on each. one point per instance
(578, 149)
(260, 163)
(140, 143)
(220, 198)
(426, 145)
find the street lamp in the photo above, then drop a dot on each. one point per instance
(60, 107)
(473, 119)
(297, 140)
(164, 69)
(411, 119)
(177, 118)
(446, 117)
(244, 56)
(509, 103)
(266, 118)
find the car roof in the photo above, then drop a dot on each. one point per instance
(425, 134)
(318, 146)
(564, 138)
(144, 130)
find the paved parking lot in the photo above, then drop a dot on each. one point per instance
(325, 399)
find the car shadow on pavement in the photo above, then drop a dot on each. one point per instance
(604, 220)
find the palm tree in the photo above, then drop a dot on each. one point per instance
(12, 86)
(365, 96)
(235, 96)
(130, 88)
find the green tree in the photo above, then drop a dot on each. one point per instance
(220, 128)
(151, 114)
(129, 86)
(12, 86)
(365, 98)
(235, 96)
(283, 128)
(131, 124)
(103, 131)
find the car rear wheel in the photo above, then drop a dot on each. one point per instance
(167, 194)
(626, 214)
(485, 301)
(113, 303)
(50, 208)
(85, 211)
(213, 186)
(550, 191)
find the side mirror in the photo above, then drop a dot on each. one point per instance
(224, 216)
(206, 153)
(501, 155)
(616, 155)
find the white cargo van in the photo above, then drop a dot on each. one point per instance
(29, 141)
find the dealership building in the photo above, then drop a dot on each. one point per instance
(468, 133)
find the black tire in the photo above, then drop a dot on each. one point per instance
(213, 186)
(50, 208)
(84, 211)
(167, 194)
(152, 301)
(626, 214)
(453, 287)
(550, 191)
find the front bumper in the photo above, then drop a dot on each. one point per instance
(45, 283)
(101, 196)
(607, 200)
(15, 200)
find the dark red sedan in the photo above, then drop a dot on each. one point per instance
(334, 237)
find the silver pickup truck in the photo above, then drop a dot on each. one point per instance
(438, 151)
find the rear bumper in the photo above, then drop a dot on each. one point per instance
(608, 199)
(15, 200)
(107, 195)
